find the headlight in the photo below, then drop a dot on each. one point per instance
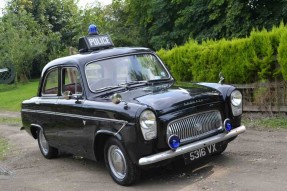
(236, 98)
(236, 103)
(148, 125)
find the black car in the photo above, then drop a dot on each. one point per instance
(122, 105)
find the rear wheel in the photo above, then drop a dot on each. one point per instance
(120, 167)
(47, 151)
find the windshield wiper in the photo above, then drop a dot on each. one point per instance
(127, 84)
(159, 80)
(143, 82)
(107, 88)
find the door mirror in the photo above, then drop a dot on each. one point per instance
(116, 98)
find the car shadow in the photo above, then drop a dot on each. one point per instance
(178, 172)
(175, 172)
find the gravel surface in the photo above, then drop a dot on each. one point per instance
(256, 160)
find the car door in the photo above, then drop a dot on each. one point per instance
(46, 104)
(69, 109)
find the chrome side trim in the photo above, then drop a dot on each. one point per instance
(79, 116)
(191, 147)
(121, 128)
(73, 115)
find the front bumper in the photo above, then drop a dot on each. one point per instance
(191, 147)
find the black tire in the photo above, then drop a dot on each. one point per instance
(221, 149)
(47, 151)
(120, 167)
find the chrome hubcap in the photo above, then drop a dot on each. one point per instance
(43, 143)
(117, 162)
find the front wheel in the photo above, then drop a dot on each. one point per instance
(47, 151)
(120, 167)
(221, 149)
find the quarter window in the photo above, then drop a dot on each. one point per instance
(51, 83)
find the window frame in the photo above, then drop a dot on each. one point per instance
(62, 80)
(169, 76)
(45, 82)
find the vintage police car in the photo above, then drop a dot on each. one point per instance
(122, 105)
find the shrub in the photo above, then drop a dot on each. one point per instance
(243, 60)
(282, 54)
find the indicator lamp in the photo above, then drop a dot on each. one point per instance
(227, 125)
(93, 30)
(173, 142)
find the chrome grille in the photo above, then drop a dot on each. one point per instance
(195, 126)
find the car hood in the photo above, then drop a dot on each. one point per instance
(167, 97)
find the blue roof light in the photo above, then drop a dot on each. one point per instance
(93, 29)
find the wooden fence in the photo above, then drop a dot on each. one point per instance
(266, 97)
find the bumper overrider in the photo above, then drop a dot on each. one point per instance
(191, 147)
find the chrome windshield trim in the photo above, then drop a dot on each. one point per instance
(124, 55)
(191, 147)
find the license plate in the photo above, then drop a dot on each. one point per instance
(199, 153)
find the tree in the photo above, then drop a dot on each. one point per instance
(21, 41)
(164, 23)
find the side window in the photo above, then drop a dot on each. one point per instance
(51, 83)
(71, 80)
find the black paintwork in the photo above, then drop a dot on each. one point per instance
(81, 126)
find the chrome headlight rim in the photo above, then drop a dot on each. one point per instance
(146, 118)
(236, 98)
(148, 124)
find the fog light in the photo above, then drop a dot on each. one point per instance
(173, 142)
(227, 125)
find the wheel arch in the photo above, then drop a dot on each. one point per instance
(100, 140)
(34, 129)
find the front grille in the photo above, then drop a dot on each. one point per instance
(195, 126)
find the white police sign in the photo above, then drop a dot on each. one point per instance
(95, 42)
(99, 40)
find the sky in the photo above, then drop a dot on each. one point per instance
(2, 5)
(81, 3)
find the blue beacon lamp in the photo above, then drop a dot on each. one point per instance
(93, 30)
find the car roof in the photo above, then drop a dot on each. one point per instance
(83, 58)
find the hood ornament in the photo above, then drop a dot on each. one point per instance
(221, 78)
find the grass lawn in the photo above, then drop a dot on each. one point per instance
(259, 120)
(12, 95)
(14, 121)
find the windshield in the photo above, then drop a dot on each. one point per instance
(122, 70)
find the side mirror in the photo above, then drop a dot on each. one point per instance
(116, 98)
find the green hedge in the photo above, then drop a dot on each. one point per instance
(261, 56)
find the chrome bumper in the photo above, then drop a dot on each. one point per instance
(190, 147)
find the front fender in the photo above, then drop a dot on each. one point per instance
(108, 133)
(224, 89)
